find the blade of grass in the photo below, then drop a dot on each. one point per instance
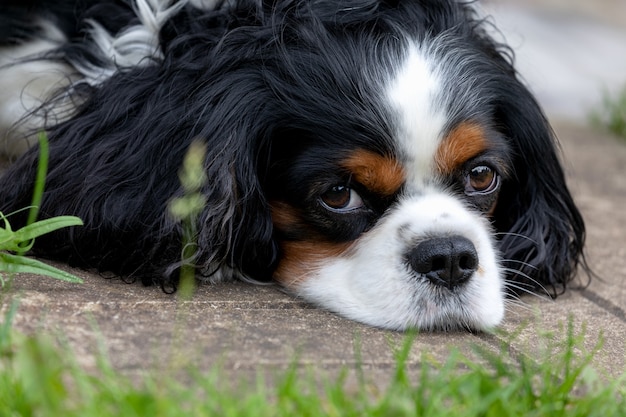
(40, 181)
(18, 264)
(46, 226)
(22, 240)
(186, 210)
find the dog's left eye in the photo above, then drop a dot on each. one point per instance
(481, 179)
(341, 198)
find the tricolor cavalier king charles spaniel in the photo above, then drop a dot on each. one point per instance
(378, 158)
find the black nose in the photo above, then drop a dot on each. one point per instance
(446, 261)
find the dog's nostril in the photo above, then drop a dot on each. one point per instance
(446, 261)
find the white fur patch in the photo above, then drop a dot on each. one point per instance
(26, 82)
(413, 94)
(134, 46)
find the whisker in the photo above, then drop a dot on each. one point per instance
(527, 291)
(517, 285)
(519, 305)
(524, 275)
(514, 234)
(520, 273)
(521, 263)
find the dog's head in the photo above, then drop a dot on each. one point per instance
(407, 176)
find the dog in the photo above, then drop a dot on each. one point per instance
(381, 159)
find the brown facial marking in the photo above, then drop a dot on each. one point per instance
(380, 174)
(463, 143)
(284, 216)
(300, 258)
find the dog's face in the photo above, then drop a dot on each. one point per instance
(392, 226)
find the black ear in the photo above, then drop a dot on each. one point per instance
(540, 229)
(115, 165)
(236, 229)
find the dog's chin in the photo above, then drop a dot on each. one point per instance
(372, 280)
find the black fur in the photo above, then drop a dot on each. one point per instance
(254, 83)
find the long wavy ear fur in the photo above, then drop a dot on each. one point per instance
(115, 165)
(541, 231)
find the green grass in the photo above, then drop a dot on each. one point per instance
(39, 377)
(611, 115)
(14, 243)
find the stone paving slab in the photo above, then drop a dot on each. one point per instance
(240, 326)
(597, 167)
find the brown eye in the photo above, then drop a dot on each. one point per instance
(481, 179)
(341, 198)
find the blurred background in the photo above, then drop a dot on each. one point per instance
(571, 53)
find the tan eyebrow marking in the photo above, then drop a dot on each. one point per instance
(464, 142)
(380, 174)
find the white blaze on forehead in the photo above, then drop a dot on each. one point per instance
(414, 94)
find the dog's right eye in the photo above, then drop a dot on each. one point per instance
(482, 179)
(341, 198)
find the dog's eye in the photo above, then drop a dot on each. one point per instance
(341, 198)
(481, 179)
